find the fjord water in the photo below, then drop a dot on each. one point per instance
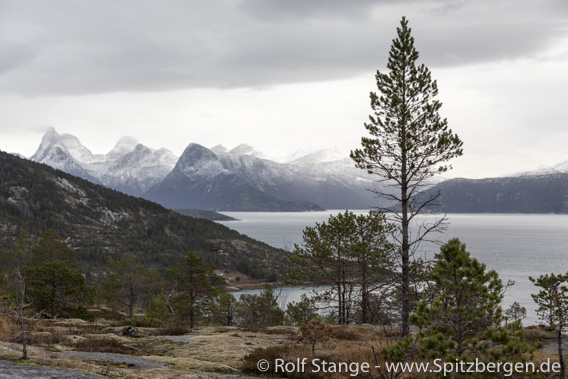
(515, 245)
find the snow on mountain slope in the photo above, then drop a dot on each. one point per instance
(138, 170)
(239, 179)
(320, 156)
(123, 146)
(203, 179)
(234, 180)
(129, 167)
(560, 168)
(219, 149)
(244, 149)
(54, 152)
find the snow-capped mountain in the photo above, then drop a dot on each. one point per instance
(237, 180)
(138, 170)
(320, 156)
(244, 149)
(56, 151)
(129, 167)
(202, 179)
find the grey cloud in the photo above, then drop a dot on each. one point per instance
(299, 9)
(78, 47)
(13, 55)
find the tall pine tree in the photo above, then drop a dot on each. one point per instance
(409, 143)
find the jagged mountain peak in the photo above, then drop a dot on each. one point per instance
(320, 156)
(219, 149)
(63, 152)
(50, 138)
(77, 150)
(239, 179)
(195, 153)
(198, 161)
(124, 145)
(66, 143)
(246, 149)
(130, 166)
(166, 157)
(242, 149)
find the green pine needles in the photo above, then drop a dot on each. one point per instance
(409, 143)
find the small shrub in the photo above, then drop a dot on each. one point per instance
(103, 345)
(37, 338)
(255, 328)
(219, 331)
(344, 334)
(313, 332)
(106, 314)
(7, 327)
(174, 331)
(141, 322)
(270, 354)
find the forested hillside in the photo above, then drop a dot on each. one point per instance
(522, 194)
(99, 222)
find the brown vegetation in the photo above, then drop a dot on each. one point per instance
(191, 353)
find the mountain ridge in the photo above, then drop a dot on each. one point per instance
(543, 193)
(240, 179)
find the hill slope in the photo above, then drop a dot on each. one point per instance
(99, 222)
(521, 194)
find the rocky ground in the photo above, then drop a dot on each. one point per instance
(207, 352)
(83, 350)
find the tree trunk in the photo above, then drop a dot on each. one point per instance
(191, 310)
(560, 354)
(339, 304)
(405, 255)
(169, 305)
(23, 331)
(364, 294)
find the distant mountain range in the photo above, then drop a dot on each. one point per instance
(532, 192)
(129, 167)
(241, 179)
(244, 179)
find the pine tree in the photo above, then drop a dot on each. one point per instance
(409, 143)
(193, 280)
(463, 320)
(59, 291)
(53, 283)
(346, 253)
(467, 300)
(126, 282)
(552, 301)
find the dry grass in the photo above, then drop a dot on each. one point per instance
(346, 344)
(224, 350)
(173, 331)
(539, 335)
(8, 328)
(103, 344)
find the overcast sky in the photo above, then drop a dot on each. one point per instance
(281, 75)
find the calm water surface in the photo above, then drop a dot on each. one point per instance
(515, 245)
